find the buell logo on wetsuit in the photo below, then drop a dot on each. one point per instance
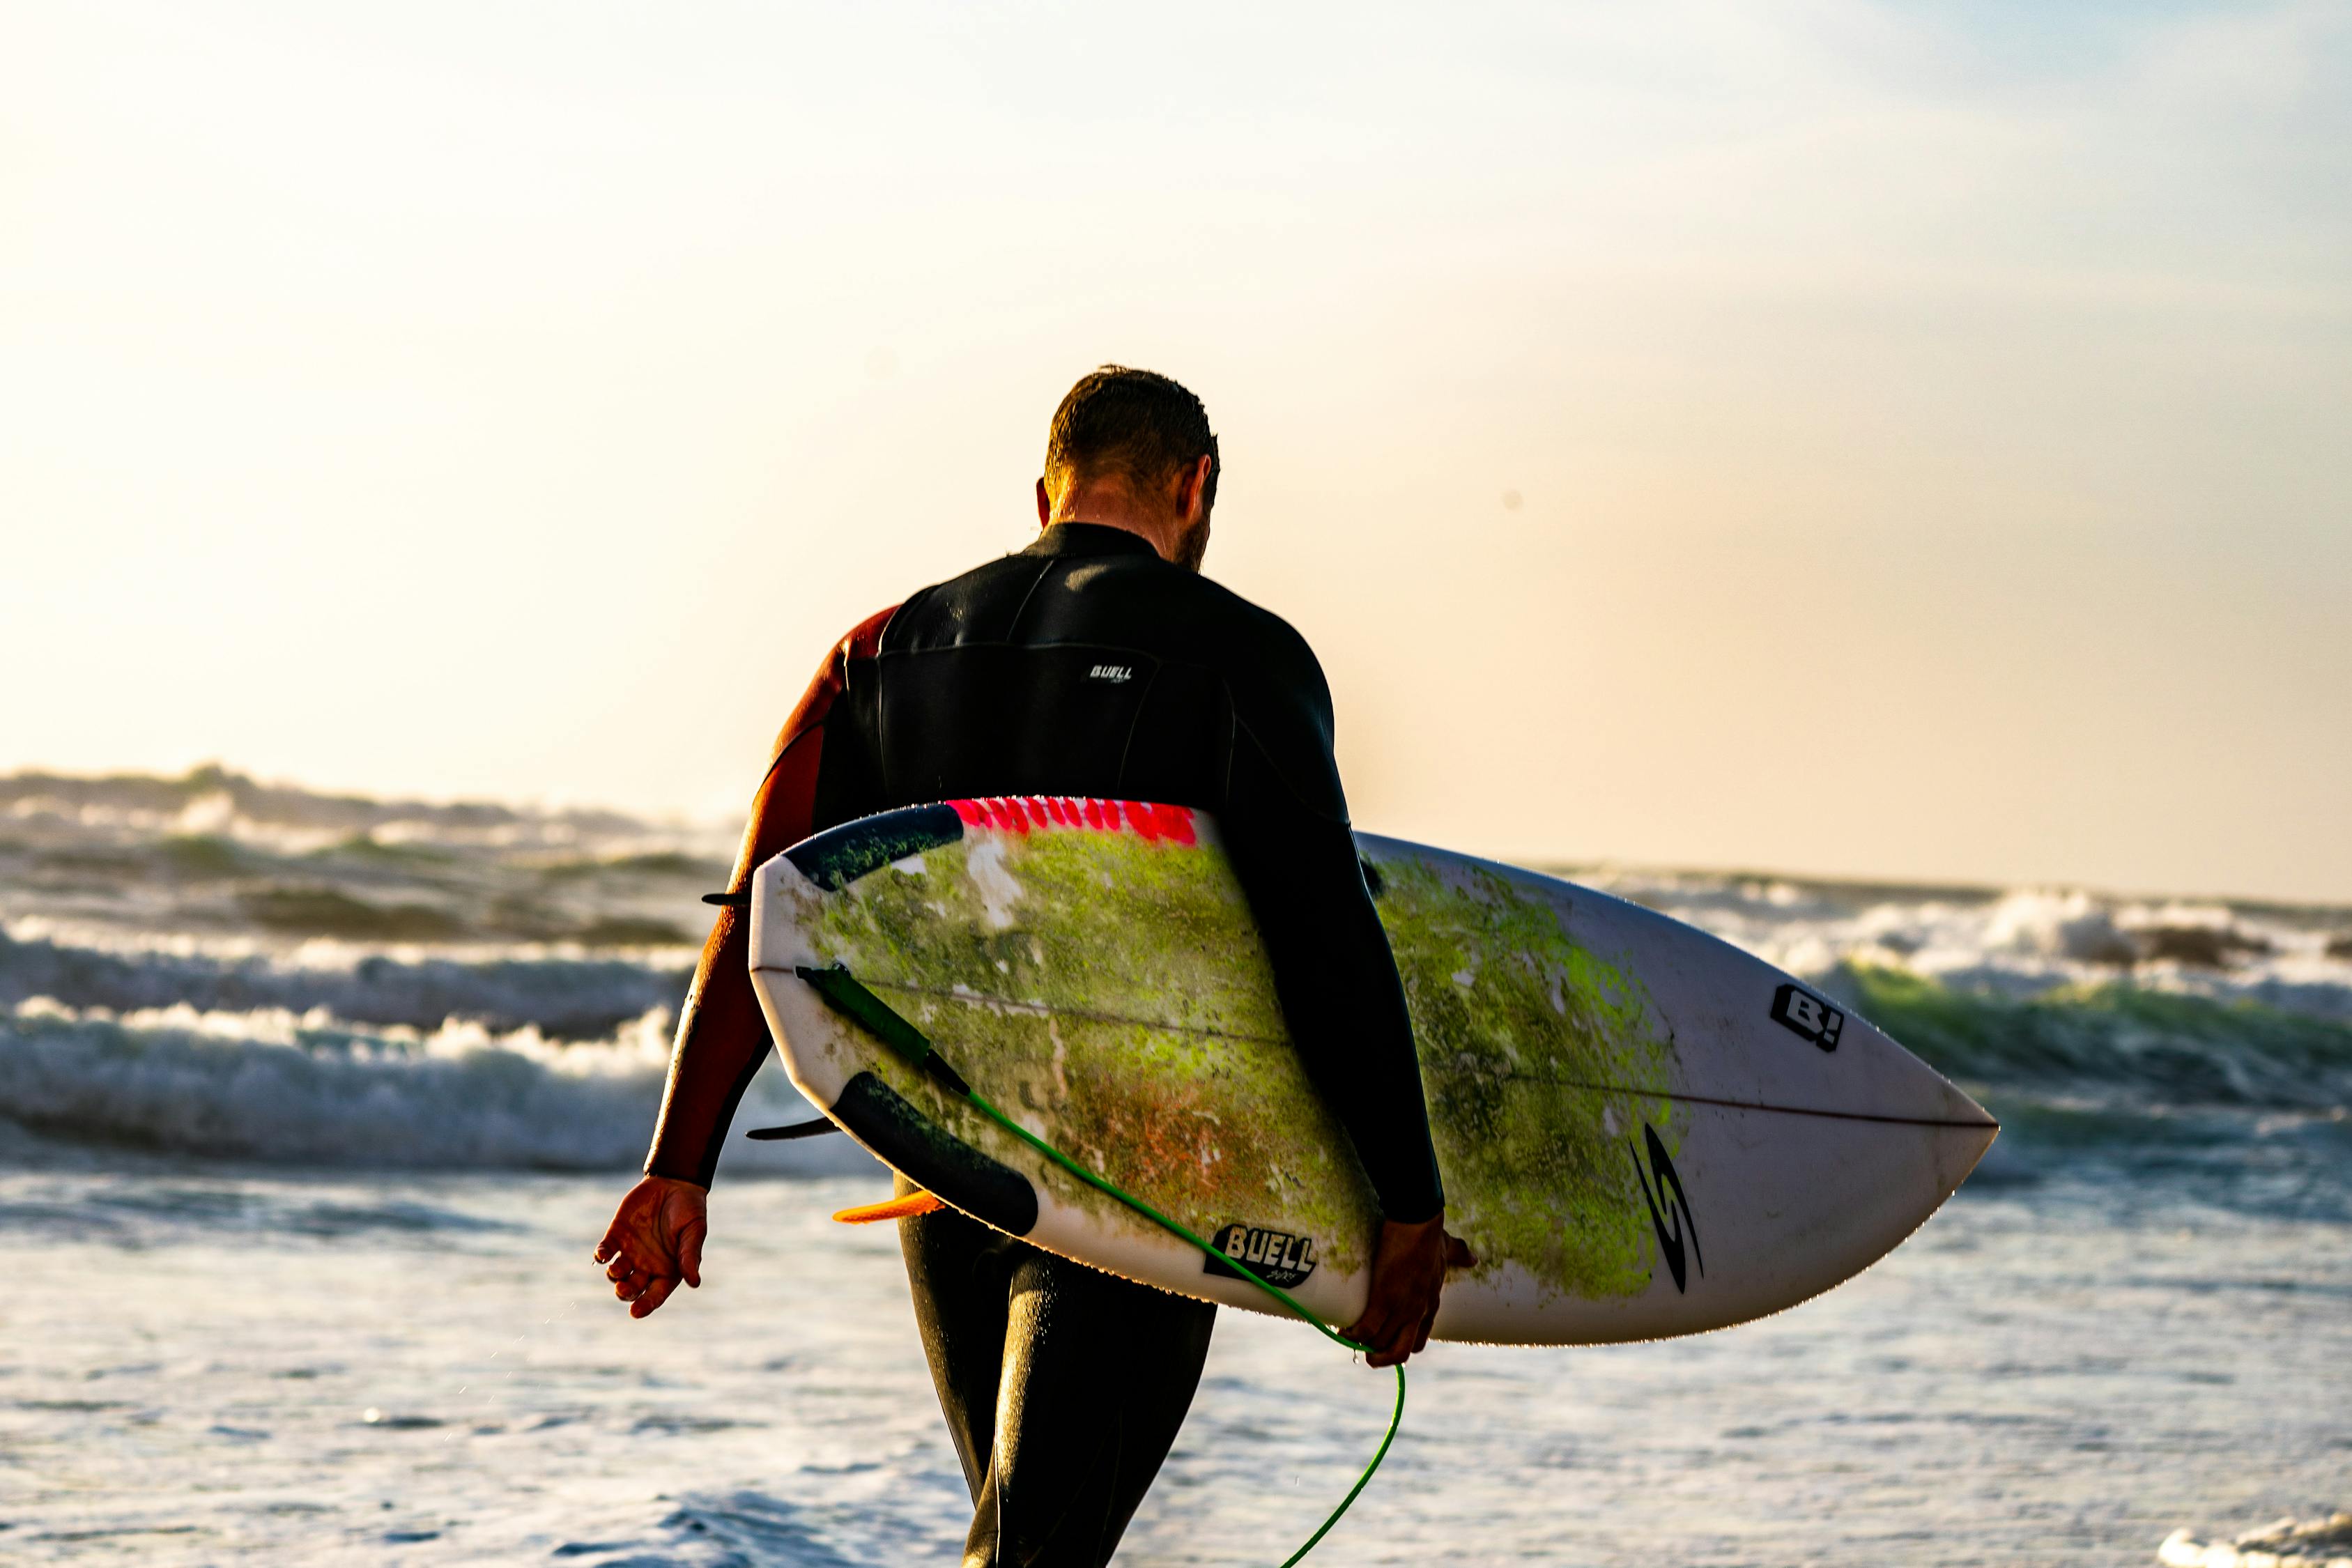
(1808, 1016)
(1114, 673)
(1276, 1257)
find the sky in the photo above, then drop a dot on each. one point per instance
(1844, 439)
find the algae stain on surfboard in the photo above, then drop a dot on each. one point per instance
(1110, 993)
(1520, 1023)
(1091, 967)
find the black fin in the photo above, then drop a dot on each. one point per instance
(934, 1159)
(816, 1129)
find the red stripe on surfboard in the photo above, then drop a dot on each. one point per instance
(1148, 820)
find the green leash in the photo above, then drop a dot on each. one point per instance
(844, 996)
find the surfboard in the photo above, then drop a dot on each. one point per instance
(1642, 1130)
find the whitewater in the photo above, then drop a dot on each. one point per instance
(311, 1107)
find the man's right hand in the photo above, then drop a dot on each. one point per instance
(654, 1241)
(1409, 1265)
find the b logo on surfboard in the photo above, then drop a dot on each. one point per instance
(1799, 1010)
(1276, 1257)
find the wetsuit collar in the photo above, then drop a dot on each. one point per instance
(1090, 539)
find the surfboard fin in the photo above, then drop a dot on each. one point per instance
(908, 1207)
(816, 1129)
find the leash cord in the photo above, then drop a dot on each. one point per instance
(844, 996)
(1396, 1418)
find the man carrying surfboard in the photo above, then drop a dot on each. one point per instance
(1097, 662)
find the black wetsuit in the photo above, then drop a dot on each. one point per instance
(1087, 666)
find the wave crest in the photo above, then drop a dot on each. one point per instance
(2116, 1043)
(564, 998)
(274, 1085)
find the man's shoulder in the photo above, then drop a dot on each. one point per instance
(1270, 647)
(1204, 621)
(953, 609)
(865, 639)
(861, 642)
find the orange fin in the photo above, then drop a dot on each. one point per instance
(908, 1207)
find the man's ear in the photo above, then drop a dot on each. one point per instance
(1045, 504)
(1191, 486)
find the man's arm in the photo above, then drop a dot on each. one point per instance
(655, 1238)
(1337, 979)
(722, 1037)
(1286, 827)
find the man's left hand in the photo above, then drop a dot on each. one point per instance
(1409, 1265)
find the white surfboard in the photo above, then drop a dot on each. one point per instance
(1643, 1130)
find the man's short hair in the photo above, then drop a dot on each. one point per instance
(1134, 425)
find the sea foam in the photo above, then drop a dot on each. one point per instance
(275, 1086)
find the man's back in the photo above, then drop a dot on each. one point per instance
(1085, 665)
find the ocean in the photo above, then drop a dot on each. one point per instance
(312, 1106)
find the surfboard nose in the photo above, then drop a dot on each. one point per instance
(1984, 1118)
(1958, 1147)
(1958, 1106)
(1963, 1130)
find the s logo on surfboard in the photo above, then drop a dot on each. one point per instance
(1667, 1200)
(1276, 1257)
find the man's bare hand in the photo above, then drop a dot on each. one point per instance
(654, 1241)
(1408, 1265)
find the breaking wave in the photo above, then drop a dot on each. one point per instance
(2114, 1044)
(281, 1087)
(213, 965)
(565, 998)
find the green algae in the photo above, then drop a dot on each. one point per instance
(1539, 1060)
(1052, 920)
(1161, 1064)
(1110, 992)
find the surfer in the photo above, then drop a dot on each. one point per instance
(1097, 662)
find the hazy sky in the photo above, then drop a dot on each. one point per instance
(1821, 436)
